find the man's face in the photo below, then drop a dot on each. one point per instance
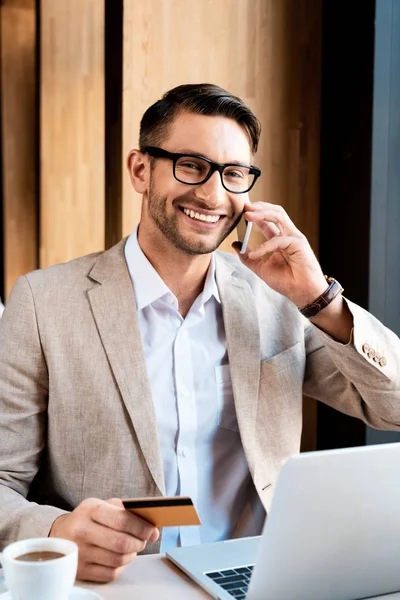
(168, 201)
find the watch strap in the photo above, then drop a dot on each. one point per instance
(313, 308)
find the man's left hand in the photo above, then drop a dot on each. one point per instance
(285, 261)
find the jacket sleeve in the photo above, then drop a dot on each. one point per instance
(23, 409)
(361, 378)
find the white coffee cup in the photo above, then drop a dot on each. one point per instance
(40, 580)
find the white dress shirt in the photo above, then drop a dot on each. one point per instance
(190, 381)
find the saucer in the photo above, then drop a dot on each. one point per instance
(77, 593)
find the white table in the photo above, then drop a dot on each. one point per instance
(152, 577)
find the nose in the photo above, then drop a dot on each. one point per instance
(211, 191)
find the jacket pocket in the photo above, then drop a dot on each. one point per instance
(282, 361)
(281, 387)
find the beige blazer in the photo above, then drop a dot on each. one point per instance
(76, 414)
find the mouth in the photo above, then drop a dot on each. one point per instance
(201, 216)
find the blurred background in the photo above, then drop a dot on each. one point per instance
(323, 76)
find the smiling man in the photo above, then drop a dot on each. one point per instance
(165, 367)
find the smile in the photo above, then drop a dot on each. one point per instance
(201, 216)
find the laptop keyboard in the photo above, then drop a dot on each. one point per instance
(234, 581)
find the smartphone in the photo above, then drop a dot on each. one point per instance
(244, 230)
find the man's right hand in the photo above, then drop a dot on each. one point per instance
(108, 537)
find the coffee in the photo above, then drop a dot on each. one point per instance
(39, 556)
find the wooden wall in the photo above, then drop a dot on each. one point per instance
(19, 139)
(65, 190)
(72, 129)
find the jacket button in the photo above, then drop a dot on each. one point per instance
(371, 353)
(383, 361)
(366, 348)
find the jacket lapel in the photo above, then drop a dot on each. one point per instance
(114, 310)
(243, 345)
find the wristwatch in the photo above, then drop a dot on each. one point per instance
(312, 309)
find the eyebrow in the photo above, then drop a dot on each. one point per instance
(196, 153)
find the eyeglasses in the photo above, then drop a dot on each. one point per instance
(192, 169)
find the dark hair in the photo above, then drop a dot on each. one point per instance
(199, 98)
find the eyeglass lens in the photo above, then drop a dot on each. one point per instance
(191, 170)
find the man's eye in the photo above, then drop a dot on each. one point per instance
(234, 174)
(191, 166)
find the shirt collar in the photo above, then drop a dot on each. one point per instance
(148, 285)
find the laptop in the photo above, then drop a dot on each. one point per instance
(333, 533)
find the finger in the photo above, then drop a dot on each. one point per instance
(118, 502)
(237, 246)
(286, 244)
(105, 558)
(114, 541)
(115, 502)
(92, 572)
(122, 520)
(272, 214)
(270, 230)
(257, 205)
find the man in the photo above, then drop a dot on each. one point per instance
(163, 367)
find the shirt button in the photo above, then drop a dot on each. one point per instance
(170, 300)
(184, 452)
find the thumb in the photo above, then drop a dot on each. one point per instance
(115, 502)
(237, 246)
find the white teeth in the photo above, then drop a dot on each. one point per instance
(201, 216)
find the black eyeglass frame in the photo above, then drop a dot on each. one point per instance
(174, 156)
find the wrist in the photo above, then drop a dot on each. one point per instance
(336, 320)
(331, 290)
(335, 308)
(56, 524)
(313, 285)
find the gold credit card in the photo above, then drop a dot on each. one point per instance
(164, 512)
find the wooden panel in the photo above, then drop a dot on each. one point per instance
(19, 139)
(72, 129)
(113, 120)
(265, 51)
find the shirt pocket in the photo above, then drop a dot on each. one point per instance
(226, 416)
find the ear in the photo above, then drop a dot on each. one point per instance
(139, 170)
